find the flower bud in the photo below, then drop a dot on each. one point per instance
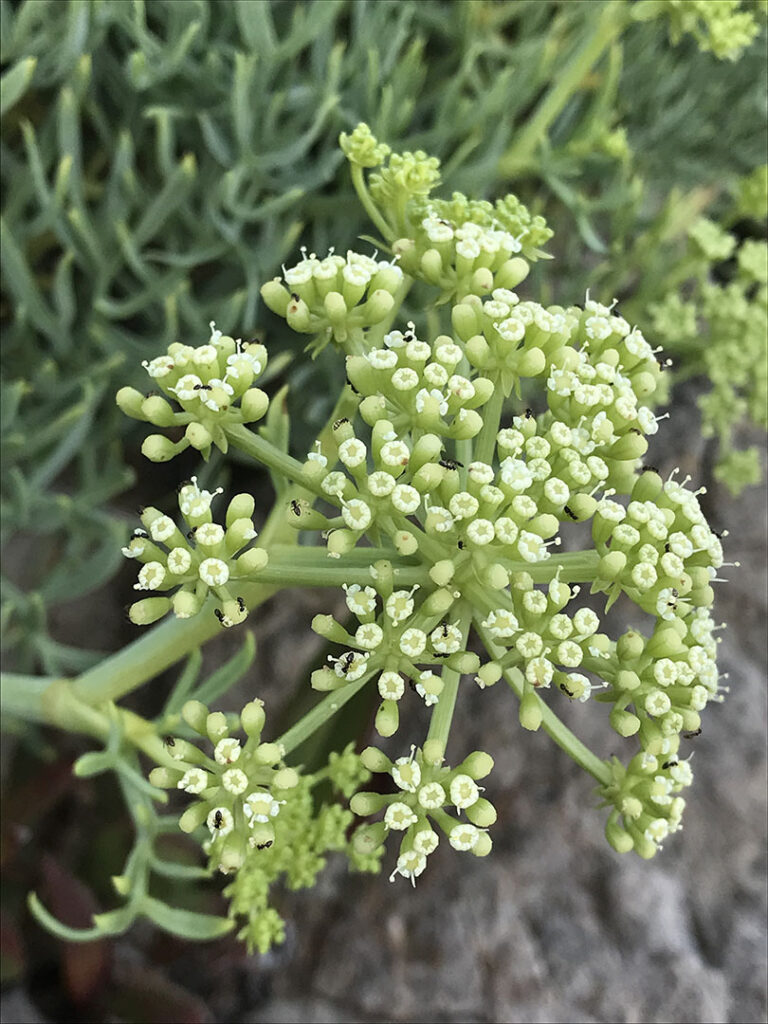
(665, 643)
(325, 679)
(482, 813)
(327, 627)
(368, 838)
(630, 646)
(466, 424)
(378, 306)
(511, 273)
(216, 726)
(387, 718)
(624, 722)
(298, 316)
(434, 753)
(478, 351)
(464, 662)
(144, 613)
(428, 478)
(442, 572)
(488, 674)
(252, 718)
(163, 778)
(495, 576)
(254, 404)
(285, 778)
(341, 542)
(232, 856)
(628, 447)
(627, 680)
(532, 363)
(465, 320)
(618, 837)
(193, 817)
(276, 297)
(483, 846)
(375, 760)
(611, 566)
(335, 308)
(157, 448)
(364, 804)
(582, 506)
(197, 435)
(432, 266)
(476, 765)
(426, 450)
(195, 714)
(405, 543)
(130, 401)
(481, 282)
(438, 602)
(251, 561)
(530, 711)
(186, 603)
(240, 507)
(158, 411)
(648, 486)
(373, 408)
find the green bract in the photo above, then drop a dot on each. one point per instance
(438, 497)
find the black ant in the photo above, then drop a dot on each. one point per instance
(460, 545)
(295, 507)
(219, 615)
(218, 819)
(190, 534)
(451, 464)
(670, 764)
(529, 414)
(570, 513)
(169, 741)
(692, 735)
(650, 469)
(438, 654)
(264, 846)
(566, 691)
(139, 533)
(340, 422)
(241, 604)
(346, 661)
(295, 296)
(202, 387)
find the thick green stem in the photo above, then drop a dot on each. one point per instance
(358, 180)
(442, 715)
(485, 442)
(269, 455)
(607, 25)
(552, 725)
(330, 574)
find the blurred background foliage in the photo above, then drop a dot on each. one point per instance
(160, 160)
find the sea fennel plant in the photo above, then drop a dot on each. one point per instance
(478, 436)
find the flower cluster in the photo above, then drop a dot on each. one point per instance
(722, 27)
(212, 384)
(394, 642)
(721, 330)
(209, 558)
(335, 296)
(240, 790)
(425, 789)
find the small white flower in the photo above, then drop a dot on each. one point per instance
(399, 605)
(431, 796)
(666, 604)
(413, 642)
(220, 821)
(436, 396)
(369, 636)
(356, 514)
(151, 576)
(334, 483)
(179, 561)
(535, 602)
(395, 453)
(194, 781)
(464, 792)
(516, 474)
(665, 672)
(360, 601)
(480, 473)
(159, 367)
(501, 623)
(681, 773)
(399, 816)
(405, 379)
(410, 865)
(556, 491)
(417, 351)
(480, 532)
(531, 547)
(352, 453)
(405, 499)
(657, 703)
(187, 387)
(235, 781)
(406, 774)
(569, 654)
(464, 837)
(463, 505)
(162, 528)
(512, 329)
(213, 572)
(260, 806)
(425, 841)
(585, 622)
(350, 666)
(227, 751)
(462, 388)
(448, 354)
(382, 358)
(644, 576)
(380, 483)
(506, 530)
(391, 685)
(435, 375)
(560, 626)
(446, 639)
(539, 672)
(529, 645)
(657, 830)
(209, 535)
